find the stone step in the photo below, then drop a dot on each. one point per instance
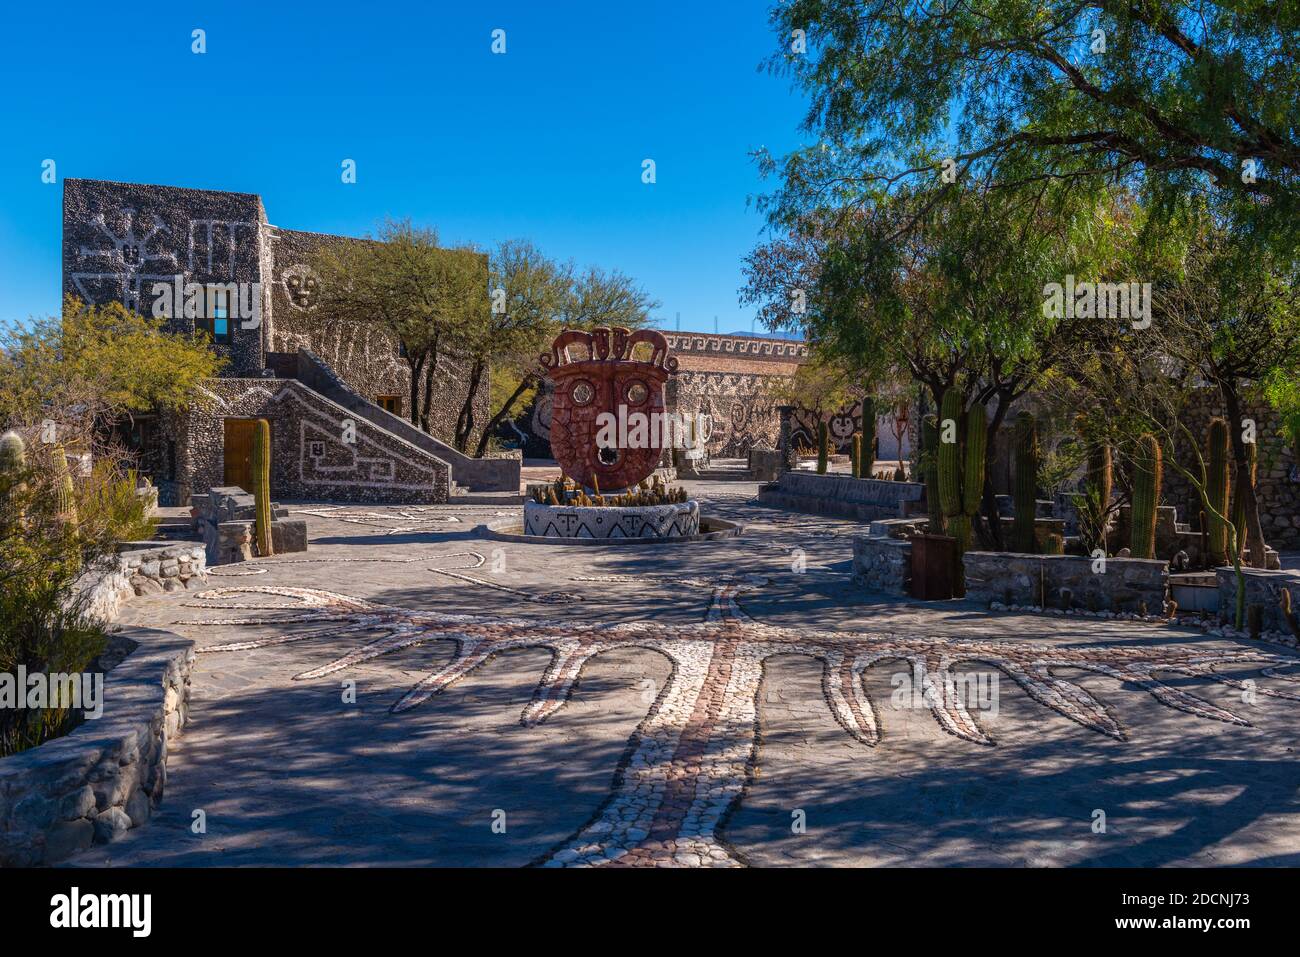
(486, 498)
(725, 475)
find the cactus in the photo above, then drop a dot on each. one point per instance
(1026, 483)
(930, 470)
(855, 455)
(1147, 474)
(1239, 506)
(1289, 616)
(950, 470)
(13, 462)
(1216, 491)
(64, 494)
(867, 455)
(823, 453)
(262, 485)
(977, 440)
(1053, 544)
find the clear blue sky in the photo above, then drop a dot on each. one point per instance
(545, 142)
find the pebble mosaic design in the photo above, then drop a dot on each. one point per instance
(688, 763)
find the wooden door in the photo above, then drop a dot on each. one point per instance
(239, 453)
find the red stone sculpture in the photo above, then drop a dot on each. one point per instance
(605, 379)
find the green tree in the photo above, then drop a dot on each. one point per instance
(97, 364)
(432, 300)
(1186, 95)
(543, 297)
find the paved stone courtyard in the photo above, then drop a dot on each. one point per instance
(734, 702)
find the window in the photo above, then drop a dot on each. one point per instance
(390, 403)
(215, 320)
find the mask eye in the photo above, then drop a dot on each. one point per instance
(636, 393)
(583, 393)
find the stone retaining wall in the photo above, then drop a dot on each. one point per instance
(107, 775)
(146, 570)
(1263, 588)
(843, 496)
(1066, 581)
(883, 564)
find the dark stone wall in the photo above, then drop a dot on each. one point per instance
(121, 238)
(1277, 478)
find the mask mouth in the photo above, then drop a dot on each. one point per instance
(607, 457)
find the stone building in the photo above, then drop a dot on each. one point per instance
(333, 392)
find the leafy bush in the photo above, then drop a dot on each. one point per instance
(45, 558)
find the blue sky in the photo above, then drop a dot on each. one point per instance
(545, 142)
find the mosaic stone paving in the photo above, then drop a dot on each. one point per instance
(689, 761)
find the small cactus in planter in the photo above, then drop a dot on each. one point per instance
(1148, 471)
(1054, 544)
(823, 448)
(262, 485)
(1026, 483)
(1216, 491)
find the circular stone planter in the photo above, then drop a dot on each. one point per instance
(678, 520)
(618, 526)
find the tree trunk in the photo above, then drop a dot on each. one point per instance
(501, 414)
(415, 364)
(465, 421)
(1243, 487)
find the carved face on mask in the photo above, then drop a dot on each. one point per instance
(608, 380)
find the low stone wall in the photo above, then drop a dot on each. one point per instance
(843, 496)
(149, 569)
(1066, 581)
(1263, 588)
(644, 521)
(883, 564)
(107, 775)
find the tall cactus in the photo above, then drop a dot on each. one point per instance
(64, 494)
(867, 457)
(930, 470)
(1238, 505)
(855, 455)
(1148, 473)
(1216, 490)
(950, 468)
(262, 485)
(13, 462)
(1026, 483)
(823, 448)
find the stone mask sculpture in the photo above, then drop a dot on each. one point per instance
(609, 377)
